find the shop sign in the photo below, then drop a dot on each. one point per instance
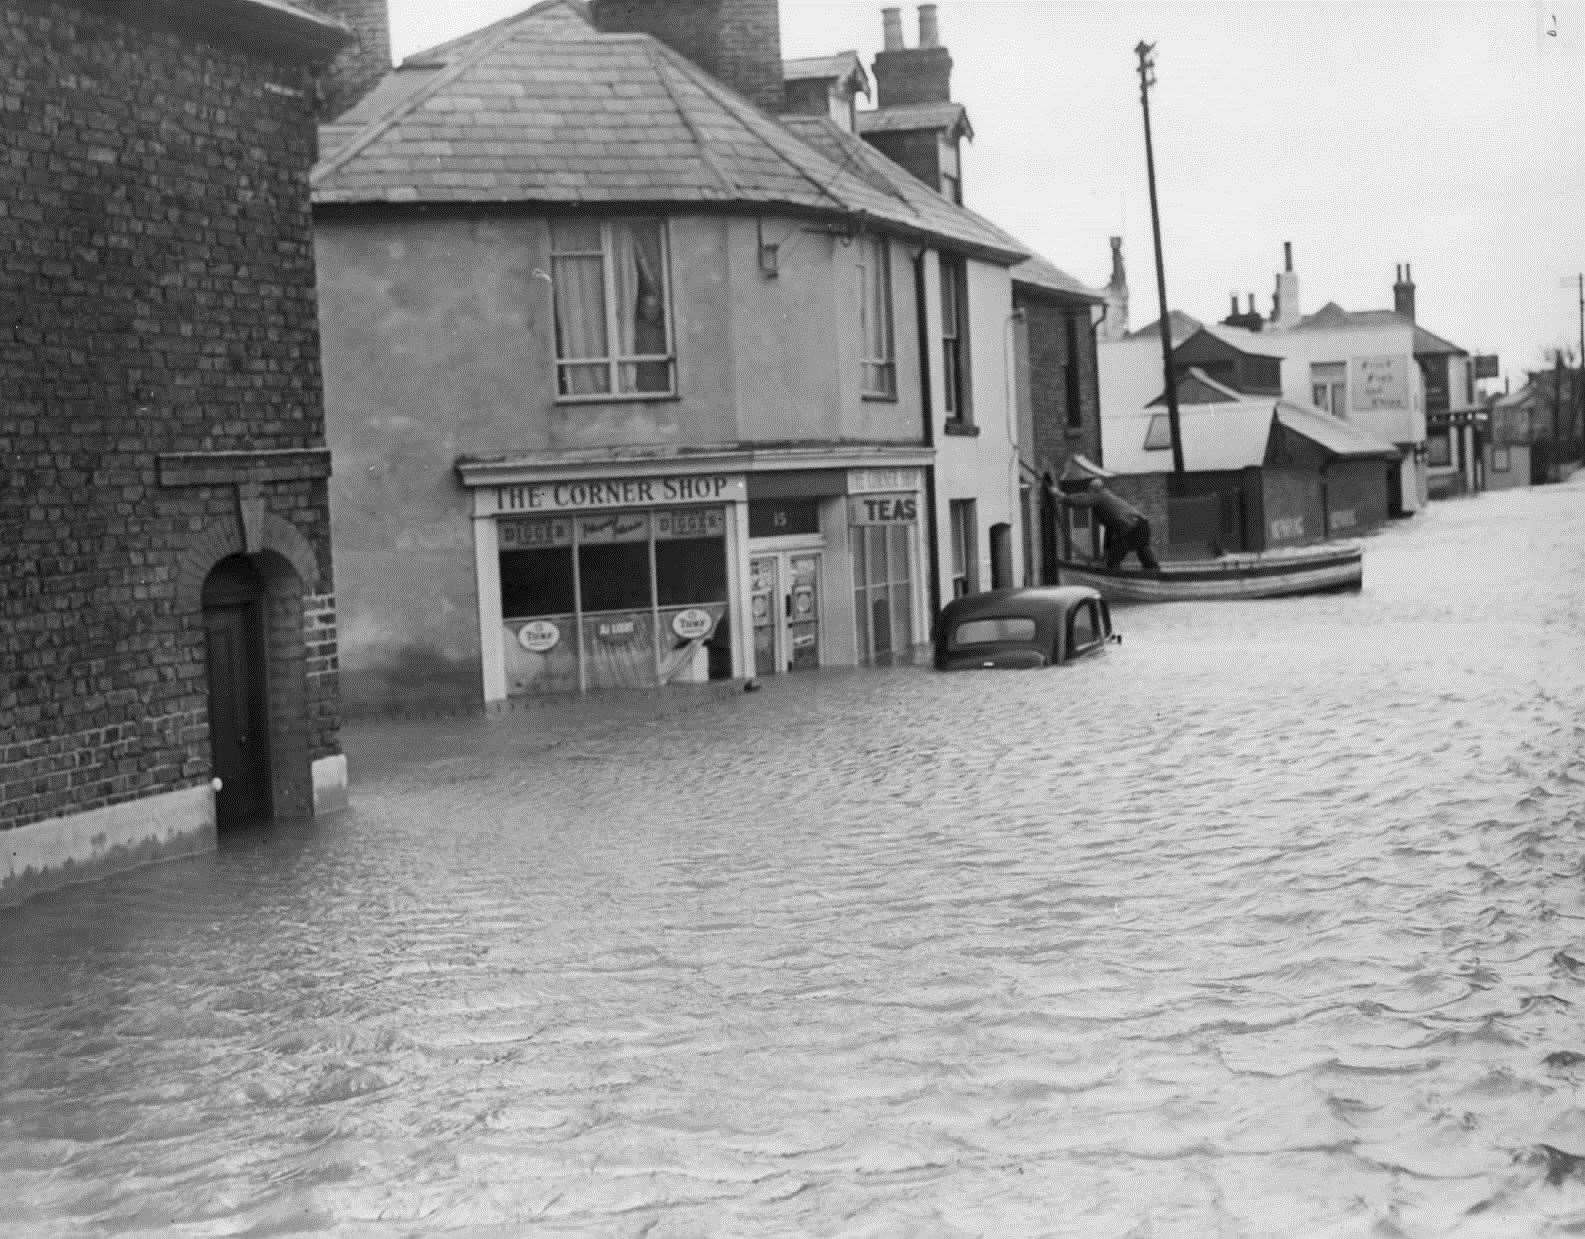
(618, 527)
(772, 518)
(616, 632)
(863, 481)
(883, 509)
(691, 523)
(619, 493)
(1287, 527)
(1342, 518)
(1380, 383)
(538, 636)
(533, 534)
(692, 624)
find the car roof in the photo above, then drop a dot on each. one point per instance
(1047, 599)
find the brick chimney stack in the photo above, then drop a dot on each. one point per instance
(738, 42)
(1403, 293)
(905, 75)
(363, 62)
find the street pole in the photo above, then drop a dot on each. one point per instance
(1146, 81)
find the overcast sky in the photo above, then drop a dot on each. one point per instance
(1448, 136)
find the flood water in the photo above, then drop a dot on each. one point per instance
(1270, 921)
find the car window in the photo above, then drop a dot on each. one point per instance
(997, 628)
(1083, 628)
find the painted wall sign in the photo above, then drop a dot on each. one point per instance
(1379, 382)
(691, 523)
(1287, 527)
(619, 527)
(863, 481)
(538, 636)
(1342, 518)
(620, 493)
(530, 535)
(883, 509)
(692, 624)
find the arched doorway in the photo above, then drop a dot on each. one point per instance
(239, 709)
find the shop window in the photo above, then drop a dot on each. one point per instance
(612, 308)
(879, 361)
(883, 590)
(537, 583)
(689, 571)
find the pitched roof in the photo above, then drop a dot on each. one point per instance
(1425, 342)
(842, 67)
(1035, 272)
(904, 118)
(1334, 436)
(1195, 386)
(543, 108)
(1183, 326)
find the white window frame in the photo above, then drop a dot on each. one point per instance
(956, 403)
(964, 519)
(874, 248)
(1329, 387)
(614, 360)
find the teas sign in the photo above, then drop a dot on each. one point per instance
(538, 636)
(692, 624)
(883, 509)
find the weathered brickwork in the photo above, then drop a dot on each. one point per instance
(1053, 325)
(363, 62)
(156, 245)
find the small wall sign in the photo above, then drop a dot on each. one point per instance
(692, 624)
(616, 632)
(538, 636)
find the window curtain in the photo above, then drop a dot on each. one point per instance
(578, 275)
(637, 258)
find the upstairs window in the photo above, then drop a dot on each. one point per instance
(613, 316)
(1328, 381)
(879, 360)
(954, 340)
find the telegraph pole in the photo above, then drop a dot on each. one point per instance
(1147, 79)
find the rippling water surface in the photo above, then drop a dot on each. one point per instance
(1269, 922)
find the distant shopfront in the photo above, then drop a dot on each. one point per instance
(648, 580)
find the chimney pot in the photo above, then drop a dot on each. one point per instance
(1287, 255)
(929, 31)
(892, 29)
(1234, 314)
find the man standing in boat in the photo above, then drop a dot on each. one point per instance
(1126, 527)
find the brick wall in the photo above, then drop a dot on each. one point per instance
(736, 41)
(361, 64)
(157, 256)
(913, 75)
(1055, 438)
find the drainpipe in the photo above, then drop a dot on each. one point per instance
(932, 538)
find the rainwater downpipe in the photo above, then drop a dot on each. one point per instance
(932, 538)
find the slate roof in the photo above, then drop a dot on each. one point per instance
(1036, 272)
(543, 108)
(904, 118)
(1332, 316)
(1183, 326)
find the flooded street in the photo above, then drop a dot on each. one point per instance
(1270, 921)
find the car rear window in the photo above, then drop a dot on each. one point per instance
(998, 628)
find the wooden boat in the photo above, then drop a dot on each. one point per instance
(1280, 573)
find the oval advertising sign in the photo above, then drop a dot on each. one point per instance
(692, 624)
(538, 636)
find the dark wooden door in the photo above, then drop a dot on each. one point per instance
(238, 714)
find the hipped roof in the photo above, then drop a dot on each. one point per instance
(1225, 437)
(542, 108)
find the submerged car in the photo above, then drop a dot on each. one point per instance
(1015, 628)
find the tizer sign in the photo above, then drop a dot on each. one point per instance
(883, 509)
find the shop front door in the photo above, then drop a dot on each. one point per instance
(785, 598)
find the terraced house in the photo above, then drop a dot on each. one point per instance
(636, 378)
